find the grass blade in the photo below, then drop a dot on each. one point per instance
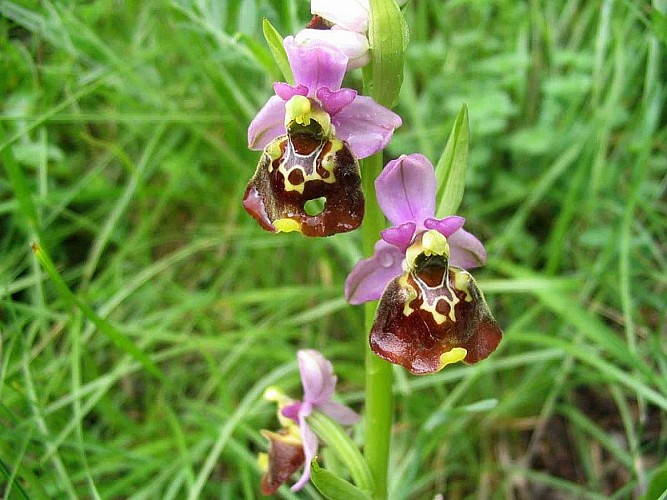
(115, 335)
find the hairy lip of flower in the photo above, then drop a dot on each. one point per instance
(433, 314)
(301, 166)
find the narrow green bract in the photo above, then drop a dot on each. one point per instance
(387, 35)
(450, 171)
(275, 41)
(348, 453)
(333, 487)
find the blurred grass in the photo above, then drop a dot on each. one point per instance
(124, 156)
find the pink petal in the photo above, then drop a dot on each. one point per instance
(354, 45)
(465, 250)
(268, 124)
(286, 91)
(349, 14)
(310, 444)
(400, 236)
(366, 126)
(447, 226)
(292, 411)
(316, 64)
(370, 276)
(340, 413)
(317, 376)
(334, 101)
(406, 189)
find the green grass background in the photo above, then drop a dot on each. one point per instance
(123, 151)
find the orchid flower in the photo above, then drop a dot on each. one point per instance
(319, 68)
(297, 444)
(431, 312)
(312, 134)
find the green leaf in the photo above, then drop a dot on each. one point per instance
(388, 37)
(450, 172)
(659, 24)
(19, 185)
(333, 487)
(275, 41)
(657, 486)
(340, 443)
(115, 335)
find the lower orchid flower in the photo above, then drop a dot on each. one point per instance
(431, 311)
(297, 444)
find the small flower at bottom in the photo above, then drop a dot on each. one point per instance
(431, 311)
(297, 444)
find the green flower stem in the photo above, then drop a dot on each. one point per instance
(379, 399)
(387, 35)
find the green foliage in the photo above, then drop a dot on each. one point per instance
(275, 43)
(450, 171)
(333, 487)
(124, 154)
(346, 451)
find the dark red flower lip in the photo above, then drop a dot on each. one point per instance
(285, 457)
(433, 315)
(299, 167)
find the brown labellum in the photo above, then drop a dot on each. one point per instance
(432, 315)
(285, 458)
(303, 166)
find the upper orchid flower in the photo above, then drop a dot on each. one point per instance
(319, 69)
(312, 134)
(290, 450)
(431, 312)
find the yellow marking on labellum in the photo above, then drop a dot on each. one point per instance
(328, 163)
(287, 225)
(274, 151)
(411, 293)
(454, 356)
(438, 317)
(461, 282)
(430, 243)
